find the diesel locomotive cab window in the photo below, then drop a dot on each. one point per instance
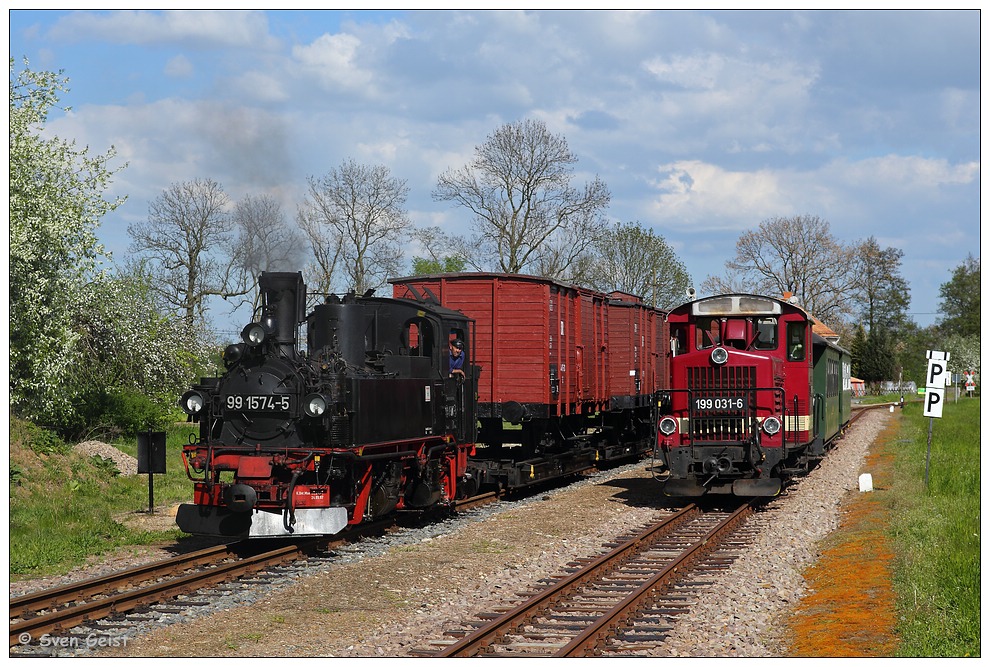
(706, 333)
(678, 340)
(766, 333)
(795, 341)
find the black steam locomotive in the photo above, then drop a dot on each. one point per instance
(295, 443)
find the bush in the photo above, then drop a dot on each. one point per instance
(38, 439)
(125, 413)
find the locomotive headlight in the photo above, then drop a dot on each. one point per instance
(668, 425)
(719, 356)
(192, 402)
(233, 354)
(254, 334)
(314, 405)
(771, 425)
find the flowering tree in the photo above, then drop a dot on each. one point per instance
(56, 202)
(78, 336)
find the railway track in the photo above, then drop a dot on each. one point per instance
(622, 601)
(57, 610)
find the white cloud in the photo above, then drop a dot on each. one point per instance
(693, 193)
(261, 86)
(900, 173)
(206, 28)
(334, 61)
(179, 67)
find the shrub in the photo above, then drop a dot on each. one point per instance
(124, 412)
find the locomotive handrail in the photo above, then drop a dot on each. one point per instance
(749, 414)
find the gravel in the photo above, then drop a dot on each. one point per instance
(385, 596)
(125, 464)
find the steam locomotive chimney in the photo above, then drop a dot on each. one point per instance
(284, 297)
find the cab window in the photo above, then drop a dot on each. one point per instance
(766, 333)
(418, 338)
(706, 333)
(796, 334)
(678, 340)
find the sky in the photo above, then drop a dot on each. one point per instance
(702, 123)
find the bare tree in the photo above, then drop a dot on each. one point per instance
(633, 259)
(797, 255)
(187, 238)
(527, 214)
(266, 242)
(355, 221)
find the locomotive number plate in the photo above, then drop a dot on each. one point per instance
(713, 403)
(262, 403)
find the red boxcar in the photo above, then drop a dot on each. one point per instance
(637, 342)
(576, 367)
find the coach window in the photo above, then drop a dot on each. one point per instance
(796, 334)
(766, 333)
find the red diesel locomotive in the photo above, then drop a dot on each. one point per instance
(756, 396)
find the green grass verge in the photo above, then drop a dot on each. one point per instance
(936, 529)
(65, 507)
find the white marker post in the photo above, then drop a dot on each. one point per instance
(937, 380)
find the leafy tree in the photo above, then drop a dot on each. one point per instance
(797, 255)
(133, 360)
(857, 347)
(423, 267)
(188, 238)
(441, 257)
(960, 296)
(633, 259)
(911, 349)
(356, 224)
(266, 241)
(57, 199)
(884, 293)
(527, 217)
(877, 360)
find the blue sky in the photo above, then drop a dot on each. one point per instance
(702, 123)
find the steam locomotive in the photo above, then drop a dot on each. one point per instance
(759, 390)
(368, 420)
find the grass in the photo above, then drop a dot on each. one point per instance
(66, 507)
(936, 531)
(884, 398)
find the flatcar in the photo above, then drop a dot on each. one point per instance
(361, 416)
(756, 396)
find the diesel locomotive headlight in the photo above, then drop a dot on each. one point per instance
(254, 334)
(192, 402)
(668, 425)
(315, 405)
(771, 425)
(719, 356)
